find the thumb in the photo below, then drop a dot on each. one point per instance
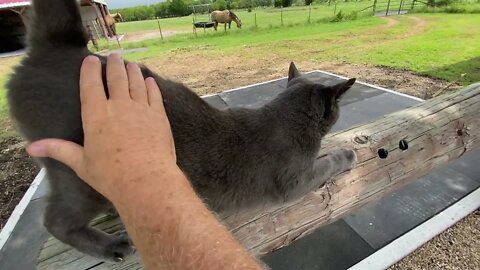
(69, 153)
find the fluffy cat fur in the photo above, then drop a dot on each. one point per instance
(234, 158)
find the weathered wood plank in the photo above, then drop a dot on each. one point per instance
(437, 131)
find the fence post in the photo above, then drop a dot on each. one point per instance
(388, 7)
(118, 41)
(335, 9)
(92, 38)
(255, 20)
(374, 7)
(281, 15)
(160, 28)
(309, 13)
(194, 27)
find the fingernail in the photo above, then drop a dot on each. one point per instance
(92, 59)
(37, 150)
(115, 55)
(132, 66)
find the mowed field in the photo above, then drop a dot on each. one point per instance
(266, 17)
(439, 45)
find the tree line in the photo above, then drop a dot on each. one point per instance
(175, 8)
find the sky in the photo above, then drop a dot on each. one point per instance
(130, 3)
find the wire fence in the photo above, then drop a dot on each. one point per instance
(397, 7)
(266, 18)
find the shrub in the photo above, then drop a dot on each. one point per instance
(351, 16)
(338, 17)
(283, 3)
(454, 9)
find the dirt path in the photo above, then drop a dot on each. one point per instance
(150, 34)
(222, 72)
(17, 171)
(419, 25)
(391, 22)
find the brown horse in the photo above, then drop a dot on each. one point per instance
(117, 16)
(225, 17)
(112, 19)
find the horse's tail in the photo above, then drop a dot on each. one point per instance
(56, 22)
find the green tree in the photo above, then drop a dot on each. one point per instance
(143, 13)
(219, 5)
(308, 2)
(162, 10)
(287, 3)
(178, 8)
(263, 3)
(246, 3)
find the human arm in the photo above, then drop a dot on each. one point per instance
(129, 157)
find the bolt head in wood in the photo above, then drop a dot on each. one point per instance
(382, 153)
(403, 145)
(362, 139)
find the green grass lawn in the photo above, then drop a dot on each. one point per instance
(266, 17)
(449, 48)
(441, 45)
(230, 41)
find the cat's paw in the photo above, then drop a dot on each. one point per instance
(119, 247)
(346, 157)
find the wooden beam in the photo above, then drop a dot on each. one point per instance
(101, 20)
(437, 131)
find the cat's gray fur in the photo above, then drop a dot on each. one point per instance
(234, 158)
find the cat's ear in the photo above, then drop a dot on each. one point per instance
(342, 87)
(293, 72)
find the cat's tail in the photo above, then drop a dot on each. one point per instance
(56, 23)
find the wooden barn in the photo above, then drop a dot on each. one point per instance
(14, 16)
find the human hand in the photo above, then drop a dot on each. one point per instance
(127, 136)
(128, 151)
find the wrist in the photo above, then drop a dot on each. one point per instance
(139, 185)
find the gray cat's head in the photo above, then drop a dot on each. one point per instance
(312, 101)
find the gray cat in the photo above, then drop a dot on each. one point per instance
(234, 158)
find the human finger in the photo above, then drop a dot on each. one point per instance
(138, 90)
(155, 98)
(117, 79)
(69, 153)
(92, 92)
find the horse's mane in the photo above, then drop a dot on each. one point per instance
(233, 14)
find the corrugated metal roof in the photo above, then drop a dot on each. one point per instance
(21, 3)
(13, 3)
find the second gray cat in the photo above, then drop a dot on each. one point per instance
(234, 158)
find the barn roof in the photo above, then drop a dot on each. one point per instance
(21, 3)
(13, 3)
